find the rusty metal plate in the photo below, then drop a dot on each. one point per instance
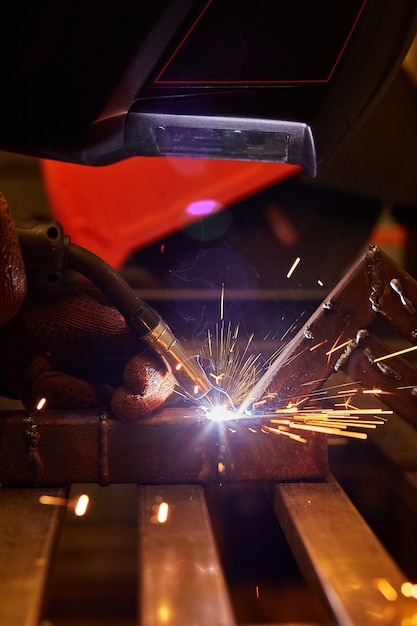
(375, 287)
(171, 446)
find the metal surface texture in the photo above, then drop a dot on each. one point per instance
(397, 445)
(170, 446)
(338, 552)
(28, 536)
(375, 288)
(181, 578)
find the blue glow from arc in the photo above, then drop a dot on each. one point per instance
(202, 207)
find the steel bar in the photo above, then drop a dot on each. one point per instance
(181, 579)
(341, 556)
(170, 446)
(28, 536)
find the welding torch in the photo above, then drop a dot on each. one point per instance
(48, 252)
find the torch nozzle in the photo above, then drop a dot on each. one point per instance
(186, 369)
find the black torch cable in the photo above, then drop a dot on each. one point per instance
(142, 319)
(113, 285)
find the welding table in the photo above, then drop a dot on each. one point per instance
(180, 571)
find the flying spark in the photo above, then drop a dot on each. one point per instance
(163, 510)
(243, 391)
(293, 266)
(339, 347)
(78, 505)
(318, 345)
(222, 302)
(40, 405)
(392, 354)
(238, 374)
(235, 370)
(81, 505)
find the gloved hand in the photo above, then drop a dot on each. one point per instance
(71, 347)
(12, 271)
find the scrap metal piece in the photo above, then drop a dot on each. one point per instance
(339, 554)
(169, 446)
(28, 536)
(181, 577)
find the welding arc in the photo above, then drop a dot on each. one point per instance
(142, 319)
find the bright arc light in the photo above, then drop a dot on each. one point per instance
(220, 413)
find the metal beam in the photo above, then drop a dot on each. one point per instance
(28, 535)
(181, 579)
(341, 556)
(170, 446)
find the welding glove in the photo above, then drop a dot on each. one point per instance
(71, 346)
(12, 270)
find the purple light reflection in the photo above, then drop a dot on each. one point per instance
(202, 207)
